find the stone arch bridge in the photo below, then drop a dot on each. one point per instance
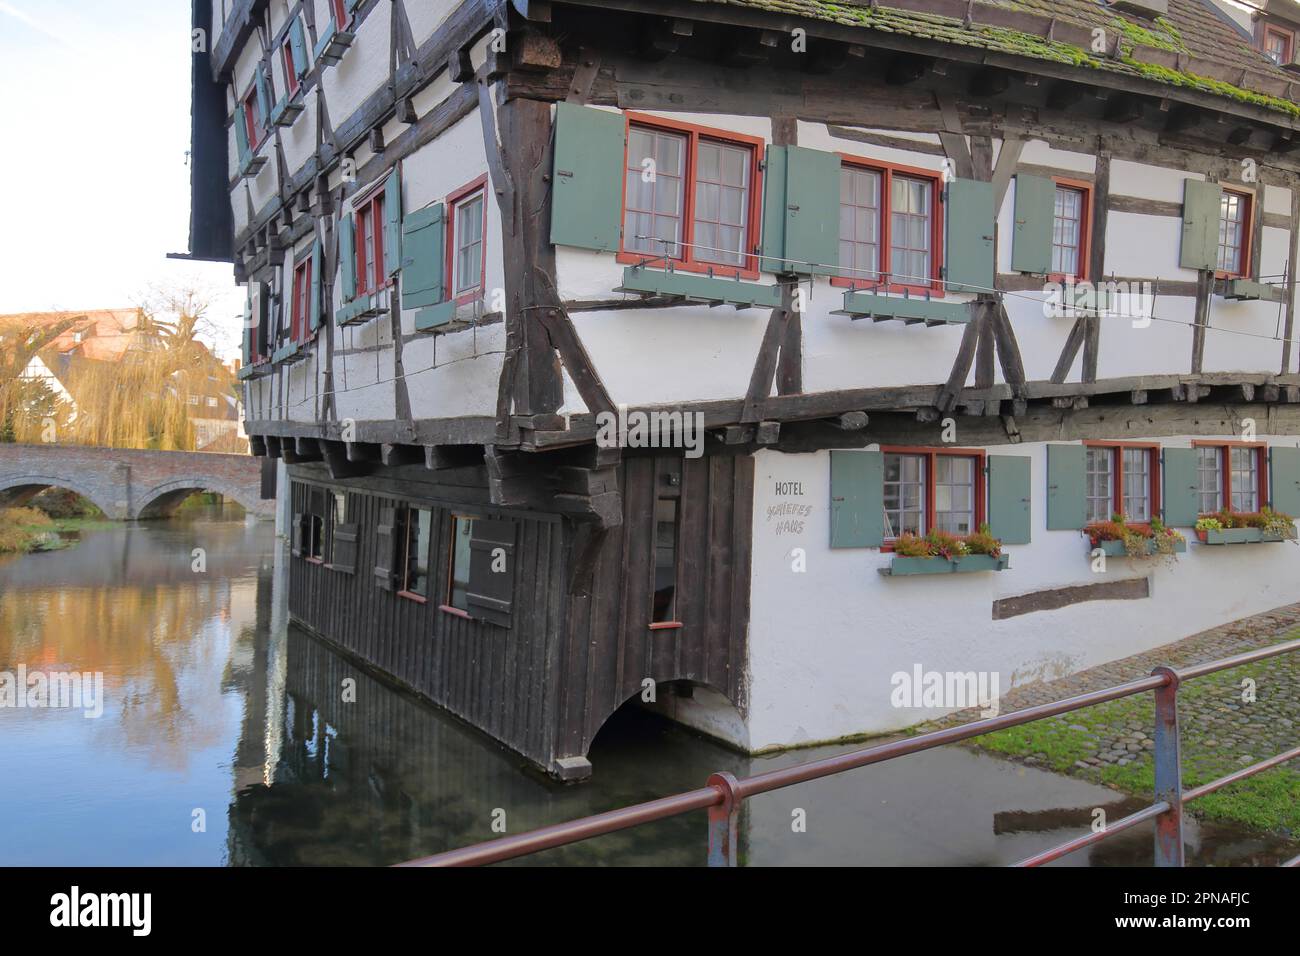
(127, 484)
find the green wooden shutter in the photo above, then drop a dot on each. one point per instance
(424, 257)
(1200, 247)
(295, 544)
(344, 556)
(348, 257)
(316, 280)
(263, 94)
(1066, 497)
(393, 222)
(857, 499)
(1284, 480)
(1009, 491)
(812, 210)
(969, 246)
(1035, 215)
(241, 137)
(1180, 498)
(772, 243)
(489, 595)
(587, 202)
(298, 46)
(247, 342)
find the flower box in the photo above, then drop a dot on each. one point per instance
(1115, 549)
(937, 565)
(1236, 536)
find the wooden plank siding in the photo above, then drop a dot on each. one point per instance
(546, 685)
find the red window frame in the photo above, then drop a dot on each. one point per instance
(368, 218)
(1085, 226)
(1117, 472)
(753, 224)
(931, 453)
(254, 122)
(290, 68)
(1288, 41)
(411, 526)
(300, 309)
(1225, 469)
(1247, 235)
(454, 201)
(888, 171)
(339, 10)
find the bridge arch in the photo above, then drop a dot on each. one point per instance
(17, 490)
(161, 500)
(667, 692)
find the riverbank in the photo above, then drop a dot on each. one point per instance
(1229, 720)
(24, 530)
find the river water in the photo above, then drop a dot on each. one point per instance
(225, 739)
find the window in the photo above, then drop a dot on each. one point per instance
(462, 529)
(300, 321)
(665, 584)
(1231, 476)
(192, 399)
(370, 243)
(313, 535)
(690, 195)
(888, 227)
(212, 401)
(290, 68)
(1069, 242)
(338, 515)
(412, 531)
(466, 247)
(339, 10)
(1234, 232)
(254, 121)
(1120, 478)
(1277, 45)
(939, 489)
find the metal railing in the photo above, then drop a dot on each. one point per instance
(723, 794)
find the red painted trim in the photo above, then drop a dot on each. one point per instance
(931, 452)
(1247, 235)
(412, 596)
(300, 306)
(457, 196)
(888, 170)
(1286, 35)
(753, 225)
(1117, 471)
(666, 626)
(339, 10)
(1085, 227)
(370, 210)
(255, 129)
(447, 608)
(449, 584)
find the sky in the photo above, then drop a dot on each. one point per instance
(94, 132)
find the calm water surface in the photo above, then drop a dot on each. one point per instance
(218, 712)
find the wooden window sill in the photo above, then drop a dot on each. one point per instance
(665, 625)
(455, 611)
(412, 596)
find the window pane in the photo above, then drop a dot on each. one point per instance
(665, 560)
(1137, 484)
(1067, 229)
(1245, 479)
(461, 531)
(1232, 222)
(655, 161)
(904, 498)
(859, 221)
(721, 203)
(1099, 480)
(954, 494)
(910, 230)
(417, 555)
(1209, 479)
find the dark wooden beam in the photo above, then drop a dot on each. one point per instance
(906, 68)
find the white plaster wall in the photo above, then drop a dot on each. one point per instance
(363, 69)
(426, 16)
(823, 644)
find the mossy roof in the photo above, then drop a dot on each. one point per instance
(1190, 28)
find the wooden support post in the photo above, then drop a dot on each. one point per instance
(1096, 262)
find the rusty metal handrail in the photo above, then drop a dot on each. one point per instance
(724, 794)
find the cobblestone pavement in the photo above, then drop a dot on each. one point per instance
(1221, 729)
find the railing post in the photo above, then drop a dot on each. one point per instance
(1168, 772)
(722, 820)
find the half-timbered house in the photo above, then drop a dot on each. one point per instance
(625, 350)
